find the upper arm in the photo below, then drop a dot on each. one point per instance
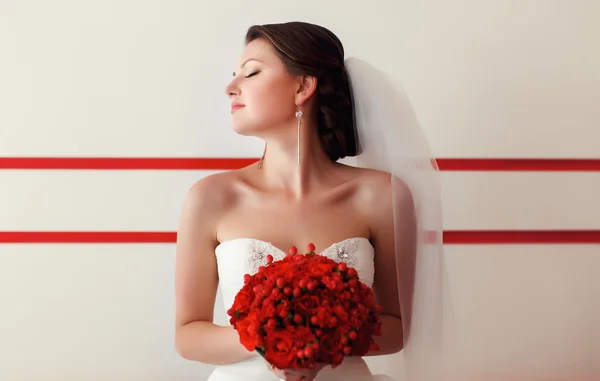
(394, 236)
(196, 278)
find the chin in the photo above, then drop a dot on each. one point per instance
(246, 126)
(246, 129)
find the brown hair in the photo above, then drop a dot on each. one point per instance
(308, 49)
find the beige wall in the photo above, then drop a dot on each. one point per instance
(145, 78)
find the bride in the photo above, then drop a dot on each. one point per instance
(292, 89)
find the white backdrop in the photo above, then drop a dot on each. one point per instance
(129, 78)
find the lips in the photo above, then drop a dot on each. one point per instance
(236, 106)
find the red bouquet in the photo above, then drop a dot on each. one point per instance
(304, 310)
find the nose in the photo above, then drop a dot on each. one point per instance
(231, 89)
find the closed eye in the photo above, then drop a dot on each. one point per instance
(252, 74)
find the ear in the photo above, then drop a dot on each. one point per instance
(306, 89)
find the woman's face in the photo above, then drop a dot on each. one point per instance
(262, 92)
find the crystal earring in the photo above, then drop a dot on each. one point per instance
(299, 115)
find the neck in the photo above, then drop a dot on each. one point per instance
(295, 167)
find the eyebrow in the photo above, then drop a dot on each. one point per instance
(245, 62)
(249, 59)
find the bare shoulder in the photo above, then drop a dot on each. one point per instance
(379, 190)
(213, 192)
(207, 201)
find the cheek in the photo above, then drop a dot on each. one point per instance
(267, 106)
(274, 106)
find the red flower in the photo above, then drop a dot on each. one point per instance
(280, 349)
(268, 310)
(247, 329)
(318, 270)
(305, 309)
(242, 300)
(305, 304)
(331, 349)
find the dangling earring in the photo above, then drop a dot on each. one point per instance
(299, 115)
(260, 162)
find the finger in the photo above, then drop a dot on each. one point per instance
(302, 372)
(283, 374)
(294, 374)
(294, 377)
(304, 377)
(291, 376)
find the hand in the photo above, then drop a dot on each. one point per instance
(296, 374)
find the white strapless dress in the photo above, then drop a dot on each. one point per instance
(244, 256)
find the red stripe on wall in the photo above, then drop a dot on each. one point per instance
(87, 237)
(165, 163)
(519, 164)
(522, 237)
(122, 163)
(450, 237)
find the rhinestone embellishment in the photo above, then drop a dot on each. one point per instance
(299, 114)
(258, 254)
(344, 251)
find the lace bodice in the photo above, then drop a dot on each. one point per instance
(245, 255)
